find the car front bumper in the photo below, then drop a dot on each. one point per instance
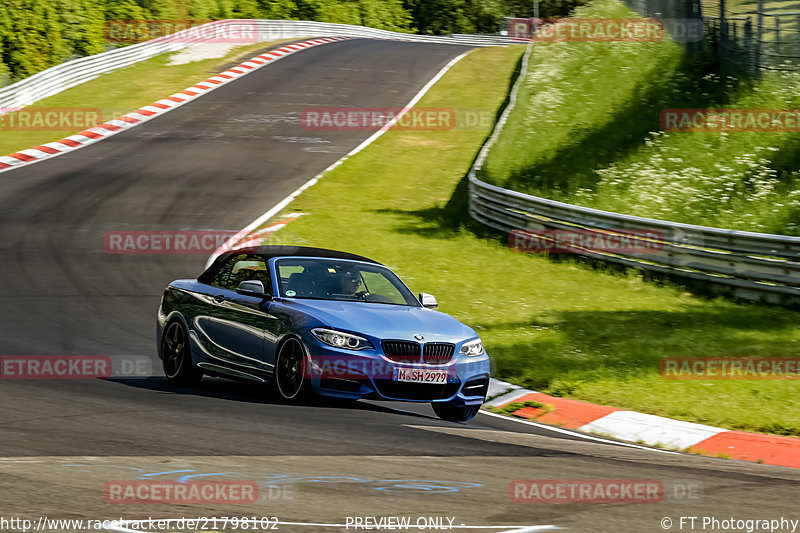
(367, 374)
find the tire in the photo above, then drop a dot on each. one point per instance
(455, 412)
(290, 376)
(177, 357)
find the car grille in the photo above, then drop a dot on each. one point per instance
(402, 351)
(438, 353)
(415, 391)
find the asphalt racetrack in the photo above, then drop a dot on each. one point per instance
(218, 163)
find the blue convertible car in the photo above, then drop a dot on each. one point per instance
(317, 321)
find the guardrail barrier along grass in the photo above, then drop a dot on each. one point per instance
(741, 264)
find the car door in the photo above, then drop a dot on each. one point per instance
(233, 325)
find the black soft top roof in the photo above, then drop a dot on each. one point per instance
(268, 252)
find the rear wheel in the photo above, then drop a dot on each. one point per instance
(177, 358)
(290, 363)
(453, 412)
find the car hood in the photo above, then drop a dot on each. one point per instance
(385, 321)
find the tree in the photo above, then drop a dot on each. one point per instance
(32, 40)
(209, 9)
(164, 9)
(81, 26)
(246, 9)
(440, 16)
(278, 9)
(5, 28)
(385, 15)
(547, 8)
(126, 10)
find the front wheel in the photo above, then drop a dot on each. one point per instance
(177, 357)
(290, 363)
(453, 412)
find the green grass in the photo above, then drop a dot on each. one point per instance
(583, 105)
(125, 90)
(738, 180)
(554, 327)
(586, 131)
(513, 407)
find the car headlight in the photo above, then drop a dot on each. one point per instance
(472, 348)
(339, 339)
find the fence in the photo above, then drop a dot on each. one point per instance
(749, 34)
(77, 71)
(666, 9)
(746, 265)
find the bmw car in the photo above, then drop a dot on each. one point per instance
(309, 321)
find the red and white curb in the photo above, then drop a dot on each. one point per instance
(649, 429)
(148, 112)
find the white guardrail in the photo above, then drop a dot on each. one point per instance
(72, 73)
(752, 266)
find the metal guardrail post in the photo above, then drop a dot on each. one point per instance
(797, 44)
(750, 47)
(759, 35)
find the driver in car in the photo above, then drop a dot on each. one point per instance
(349, 283)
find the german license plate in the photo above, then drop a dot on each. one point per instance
(416, 375)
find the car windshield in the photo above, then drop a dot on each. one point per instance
(331, 279)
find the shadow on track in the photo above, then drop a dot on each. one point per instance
(255, 393)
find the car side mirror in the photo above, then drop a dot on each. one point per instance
(251, 288)
(428, 300)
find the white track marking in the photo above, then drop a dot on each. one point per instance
(119, 525)
(531, 529)
(230, 243)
